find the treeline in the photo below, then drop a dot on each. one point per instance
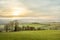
(23, 28)
(30, 28)
(13, 26)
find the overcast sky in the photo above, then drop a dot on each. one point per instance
(41, 9)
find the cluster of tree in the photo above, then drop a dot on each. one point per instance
(13, 27)
(23, 28)
(27, 28)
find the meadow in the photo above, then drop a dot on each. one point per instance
(31, 35)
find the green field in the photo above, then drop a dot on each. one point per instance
(31, 35)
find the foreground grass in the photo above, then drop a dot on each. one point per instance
(31, 35)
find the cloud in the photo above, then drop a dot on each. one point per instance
(32, 9)
(44, 7)
(9, 7)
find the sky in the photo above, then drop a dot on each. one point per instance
(46, 10)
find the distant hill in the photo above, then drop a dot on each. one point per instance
(4, 21)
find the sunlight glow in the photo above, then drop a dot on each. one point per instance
(17, 11)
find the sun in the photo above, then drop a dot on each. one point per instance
(17, 11)
(16, 14)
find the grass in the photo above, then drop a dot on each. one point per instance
(31, 35)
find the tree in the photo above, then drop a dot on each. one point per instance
(6, 27)
(11, 25)
(16, 25)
